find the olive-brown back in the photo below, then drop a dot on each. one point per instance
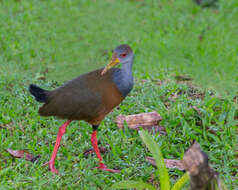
(89, 97)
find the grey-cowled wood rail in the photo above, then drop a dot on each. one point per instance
(89, 97)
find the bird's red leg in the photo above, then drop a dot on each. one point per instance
(61, 132)
(94, 142)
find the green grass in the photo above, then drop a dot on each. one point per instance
(162, 172)
(58, 40)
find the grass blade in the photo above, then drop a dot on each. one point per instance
(132, 184)
(154, 149)
(181, 182)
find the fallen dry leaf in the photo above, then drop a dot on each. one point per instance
(173, 96)
(182, 78)
(194, 93)
(144, 81)
(167, 104)
(8, 126)
(169, 163)
(160, 82)
(23, 154)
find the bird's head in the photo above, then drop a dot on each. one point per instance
(121, 54)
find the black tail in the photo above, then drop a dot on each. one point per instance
(39, 93)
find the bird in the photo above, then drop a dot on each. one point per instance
(89, 97)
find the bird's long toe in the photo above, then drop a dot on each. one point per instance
(103, 167)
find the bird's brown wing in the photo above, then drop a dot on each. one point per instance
(89, 97)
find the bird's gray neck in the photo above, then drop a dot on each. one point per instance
(126, 69)
(123, 78)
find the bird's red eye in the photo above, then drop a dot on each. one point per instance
(123, 54)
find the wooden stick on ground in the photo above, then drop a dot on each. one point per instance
(202, 176)
(139, 120)
(148, 121)
(195, 162)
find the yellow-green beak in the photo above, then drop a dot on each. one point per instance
(114, 61)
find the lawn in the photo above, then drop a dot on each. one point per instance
(49, 42)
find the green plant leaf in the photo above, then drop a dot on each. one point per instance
(181, 182)
(154, 149)
(132, 184)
